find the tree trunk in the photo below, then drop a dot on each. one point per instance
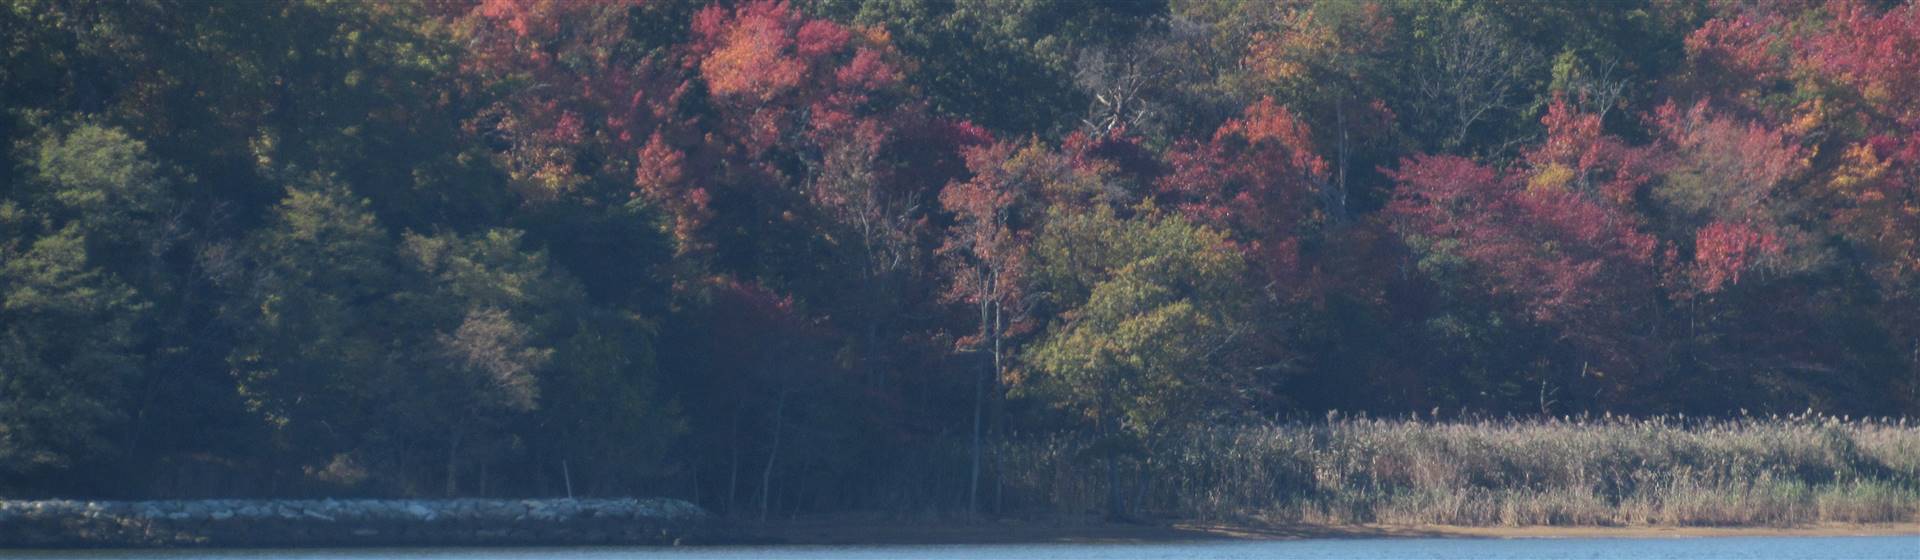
(980, 398)
(973, 475)
(773, 454)
(733, 472)
(1116, 504)
(453, 464)
(998, 413)
(1338, 201)
(1141, 479)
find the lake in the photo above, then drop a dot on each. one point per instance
(1718, 548)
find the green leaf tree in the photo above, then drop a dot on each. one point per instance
(66, 350)
(1150, 308)
(86, 216)
(317, 322)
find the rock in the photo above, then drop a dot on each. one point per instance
(330, 522)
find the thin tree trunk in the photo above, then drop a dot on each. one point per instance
(1913, 371)
(453, 464)
(999, 483)
(1116, 505)
(1339, 209)
(876, 376)
(733, 445)
(766, 475)
(973, 474)
(980, 397)
(997, 426)
(876, 308)
(1140, 482)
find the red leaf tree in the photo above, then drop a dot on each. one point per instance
(1556, 235)
(1258, 179)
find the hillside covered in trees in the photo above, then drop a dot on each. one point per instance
(823, 255)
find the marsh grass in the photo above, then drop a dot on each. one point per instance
(1666, 471)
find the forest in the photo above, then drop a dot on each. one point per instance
(832, 255)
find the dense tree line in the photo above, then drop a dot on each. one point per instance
(820, 254)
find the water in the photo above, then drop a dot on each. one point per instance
(1720, 548)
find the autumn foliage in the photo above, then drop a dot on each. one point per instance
(808, 255)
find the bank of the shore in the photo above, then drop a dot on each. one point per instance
(351, 523)
(472, 522)
(856, 531)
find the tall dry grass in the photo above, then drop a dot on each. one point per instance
(1594, 471)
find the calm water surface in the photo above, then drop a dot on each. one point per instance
(1725, 548)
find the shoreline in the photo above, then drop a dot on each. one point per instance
(841, 531)
(235, 524)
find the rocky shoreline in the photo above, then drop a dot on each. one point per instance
(304, 523)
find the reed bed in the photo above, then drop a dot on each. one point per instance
(1667, 471)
